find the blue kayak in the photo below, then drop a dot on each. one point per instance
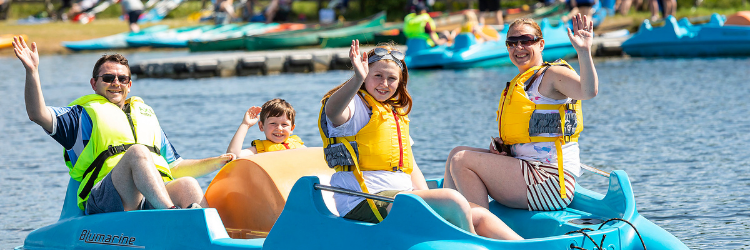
(149, 38)
(683, 39)
(116, 41)
(307, 222)
(467, 53)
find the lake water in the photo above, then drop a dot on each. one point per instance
(680, 128)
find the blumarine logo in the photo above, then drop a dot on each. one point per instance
(108, 239)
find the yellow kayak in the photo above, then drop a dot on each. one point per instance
(6, 40)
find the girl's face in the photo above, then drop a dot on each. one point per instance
(383, 80)
(525, 56)
(277, 129)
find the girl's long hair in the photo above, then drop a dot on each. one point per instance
(402, 99)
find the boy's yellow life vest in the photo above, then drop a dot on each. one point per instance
(414, 27)
(113, 132)
(382, 144)
(291, 142)
(517, 120)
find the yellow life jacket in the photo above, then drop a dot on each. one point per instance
(382, 144)
(292, 142)
(414, 27)
(113, 132)
(517, 120)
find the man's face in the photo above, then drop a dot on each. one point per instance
(115, 91)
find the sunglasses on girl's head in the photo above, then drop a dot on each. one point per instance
(524, 40)
(110, 78)
(383, 51)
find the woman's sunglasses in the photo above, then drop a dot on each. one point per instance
(524, 40)
(110, 78)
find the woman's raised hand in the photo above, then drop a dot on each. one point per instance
(28, 56)
(359, 61)
(582, 36)
(251, 116)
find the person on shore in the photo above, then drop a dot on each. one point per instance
(224, 11)
(276, 122)
(113, 144)
(541, 154)
(487, 7)
(584, 7)
(132, 8)
(419, 25)
(365, 130)
(276, 11)
(78, 8)
(666, 7)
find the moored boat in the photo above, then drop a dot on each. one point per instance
(250, 194)
(467, 53)
(684, 39)
(231, 42)
(116, 41)
(6, 40)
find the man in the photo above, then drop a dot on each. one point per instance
(132, 8)
(114, 145)
(420, 25)
(276, 11)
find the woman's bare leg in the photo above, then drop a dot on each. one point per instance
(477, 175)
(447, 178)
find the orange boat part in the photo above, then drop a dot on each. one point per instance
(6, 40)
(286, 27)
(739, 18)
(250, 193)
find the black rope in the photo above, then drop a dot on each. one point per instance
(582, 231)
(636, 230)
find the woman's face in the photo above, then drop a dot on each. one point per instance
(525, 56)
(383, 79)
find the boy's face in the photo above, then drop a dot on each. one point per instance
(277, 129)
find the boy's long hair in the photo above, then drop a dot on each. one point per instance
(275, 108)
(402, 98)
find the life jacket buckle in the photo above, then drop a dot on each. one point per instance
(566, 138)
(570, 106)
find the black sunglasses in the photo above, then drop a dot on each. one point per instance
(110, 78)
(524, 40)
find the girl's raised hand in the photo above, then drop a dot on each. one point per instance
(359, 62)
(582, 36)
(252, 116)
(28, 56)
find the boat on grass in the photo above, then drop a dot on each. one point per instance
(234, 42)
(465, 52)
(684, 39)
(308, 37)
(6, 40)
(116, 41)
(275, 201)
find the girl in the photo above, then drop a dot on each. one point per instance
(365, 128)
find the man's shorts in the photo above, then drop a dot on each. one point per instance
(543, 187)
(134, 15)
(104, 198)
(489, 5)
(363, 212)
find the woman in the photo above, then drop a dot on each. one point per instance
(528, 177)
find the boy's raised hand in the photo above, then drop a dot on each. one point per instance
(359, 62)
(252, 116)
(28, 56)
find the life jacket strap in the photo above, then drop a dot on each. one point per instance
(98, 163)
(361, 179)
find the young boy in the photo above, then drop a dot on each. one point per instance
(276, 121)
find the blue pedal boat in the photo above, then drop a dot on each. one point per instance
(684, 39)
(116, 41)
(307, 222)
(467, 53)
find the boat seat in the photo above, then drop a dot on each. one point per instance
(416, 45)
(464, 41)
(250, 193)
(739, 18)
(70, 205)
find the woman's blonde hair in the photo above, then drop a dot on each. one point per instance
(530, 22)
(402, 98)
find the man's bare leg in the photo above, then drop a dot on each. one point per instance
(135, 176)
